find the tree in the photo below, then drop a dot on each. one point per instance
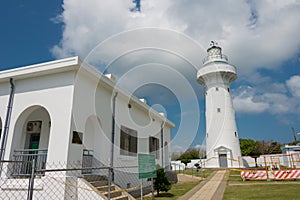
(247, 147)
(188, 155)
(254, 149)
(269, 147)
(275, 148)
(161, 182)
(250, 148)
(294, 142)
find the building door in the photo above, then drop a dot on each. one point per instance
(33, 131)
(34, 141)
(223, 160)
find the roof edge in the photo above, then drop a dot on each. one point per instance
(41, 68)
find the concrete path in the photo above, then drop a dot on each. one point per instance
(212, 188)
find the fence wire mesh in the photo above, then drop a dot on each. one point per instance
(26, 180)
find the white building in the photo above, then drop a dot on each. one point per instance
(63, 110)
(292, 159)
(177, 165)
(222, 141)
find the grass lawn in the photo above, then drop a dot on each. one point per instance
(176, 191)
(259, 189)
(201, 173)
(180, 189)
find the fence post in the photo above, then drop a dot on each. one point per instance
(109, 182)
(152, 188)
(293, 164)
(31, 181)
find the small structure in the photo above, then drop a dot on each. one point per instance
(177, 165)
(294, 152)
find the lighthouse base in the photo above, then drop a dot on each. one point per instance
(222, 158)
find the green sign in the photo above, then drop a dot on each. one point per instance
(147, 168)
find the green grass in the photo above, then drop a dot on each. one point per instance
(273, 192)
(180, 189)
(201, 173)
(176, 191)
(264, 190)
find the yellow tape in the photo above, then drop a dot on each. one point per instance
(234, 169)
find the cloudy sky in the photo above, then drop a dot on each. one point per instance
(156, 52)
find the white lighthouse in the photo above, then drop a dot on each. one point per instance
(222, 141)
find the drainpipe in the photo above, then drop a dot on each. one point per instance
(162, 143)
(7, 120)
(111, 170)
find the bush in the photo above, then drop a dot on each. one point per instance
(161, 182)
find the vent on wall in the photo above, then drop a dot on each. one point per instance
(34, 127)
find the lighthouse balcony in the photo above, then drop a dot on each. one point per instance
(212, 70)
(217, 57)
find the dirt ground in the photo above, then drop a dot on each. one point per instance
(183, 178)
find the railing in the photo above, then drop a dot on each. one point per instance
(211, 57)
(24, 158)
(87, 160)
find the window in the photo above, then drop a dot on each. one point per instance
(217, 89)
(228, 90)
(77, 137)
(128, 141)
(154, 146)
(235, 134)
(218, 110)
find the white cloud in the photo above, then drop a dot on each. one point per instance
(294, 85)
(254, 35)
(200, 146)
(274, 99)
(247, 105)
(244, 101)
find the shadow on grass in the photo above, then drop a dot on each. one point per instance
(166, 194)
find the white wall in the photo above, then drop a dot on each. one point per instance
(221, 127)
(177, 165)
(54, 93)
(77, 101)
(97, 100)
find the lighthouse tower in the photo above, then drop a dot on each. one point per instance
(222, 141)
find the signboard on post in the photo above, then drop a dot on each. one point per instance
(147, 168)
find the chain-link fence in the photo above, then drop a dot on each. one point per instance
(92, 180)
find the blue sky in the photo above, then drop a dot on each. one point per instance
(261, 38)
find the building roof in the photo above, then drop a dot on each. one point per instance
(73, 64)
(292, 147)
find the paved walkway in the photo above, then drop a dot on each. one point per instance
(213, 188)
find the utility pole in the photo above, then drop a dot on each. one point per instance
(294, 134)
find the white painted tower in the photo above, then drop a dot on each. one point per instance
(222, 141)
